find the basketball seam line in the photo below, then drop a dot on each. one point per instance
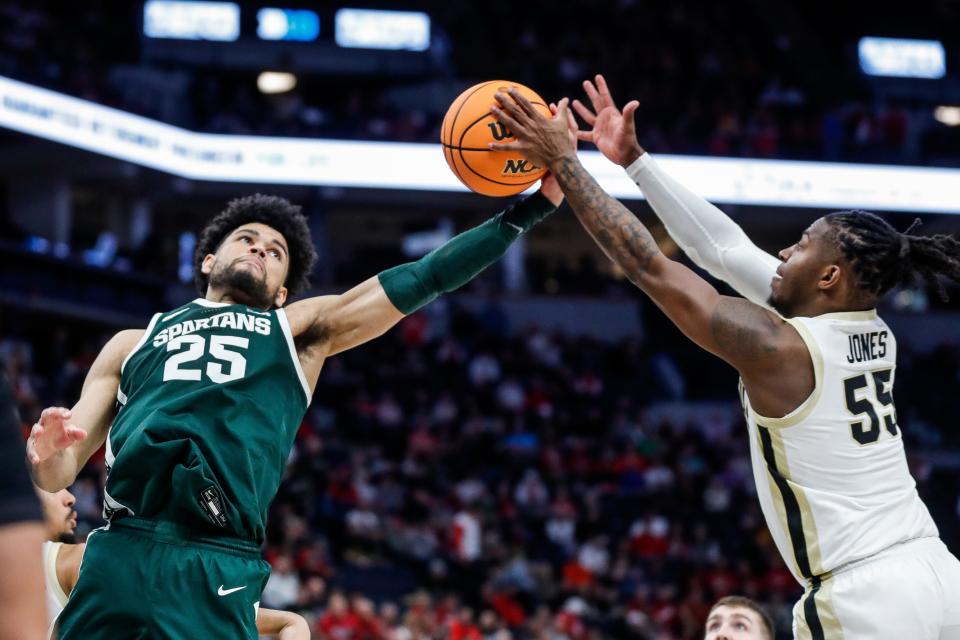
(453, 123)
(453, 146)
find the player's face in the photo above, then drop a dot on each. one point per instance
(250, 266)
(59, 515)
(734, 623)
(804, 266)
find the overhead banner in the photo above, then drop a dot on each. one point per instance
(394, 165)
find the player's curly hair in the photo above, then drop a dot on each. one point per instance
(883, 258)
(273, 211)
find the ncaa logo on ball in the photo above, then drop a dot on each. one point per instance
(520, 166)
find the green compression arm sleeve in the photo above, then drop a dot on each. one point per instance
(412, 285)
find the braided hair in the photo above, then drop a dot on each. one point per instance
(882, 257)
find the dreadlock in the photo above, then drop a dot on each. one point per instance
(883, 258)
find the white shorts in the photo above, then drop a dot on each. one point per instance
(910, 591)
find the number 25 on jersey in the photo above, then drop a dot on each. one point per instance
(229, 363)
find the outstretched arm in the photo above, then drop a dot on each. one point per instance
(331, 324)
(752, 339)
(707, 235)
(64, 439)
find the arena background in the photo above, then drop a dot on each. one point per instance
(540, 455)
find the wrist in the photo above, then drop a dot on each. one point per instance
(633, 152)
(552, 193)
(554, 164)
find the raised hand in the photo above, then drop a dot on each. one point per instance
(51, 434)
(543, 141)
(613, 132)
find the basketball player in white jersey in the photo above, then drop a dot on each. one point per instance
(61, 558)
(817, 368)
(61, 566)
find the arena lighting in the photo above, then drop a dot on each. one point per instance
(949, 116)
(394, 165)
(276, 82)
(187, 20)
(372, 29)
(300, 25)
(902, 58)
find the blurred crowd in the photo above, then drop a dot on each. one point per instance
(453, 481)
(735, 79)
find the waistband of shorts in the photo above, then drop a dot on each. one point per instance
(893, 550)
(178, 534)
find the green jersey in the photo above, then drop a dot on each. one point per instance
(210, 400)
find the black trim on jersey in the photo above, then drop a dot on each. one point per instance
(795, 530)
(810, 613)
(794, 517)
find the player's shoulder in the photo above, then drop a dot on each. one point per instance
(68, 565)
(72, 554)
(119, 346)
(304, 315)
(124, 341)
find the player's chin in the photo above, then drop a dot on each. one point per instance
(776, 300)
(252, 268)
(781, 305)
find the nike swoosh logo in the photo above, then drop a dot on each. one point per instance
(225, 592)
(515, 226)
(175, 314)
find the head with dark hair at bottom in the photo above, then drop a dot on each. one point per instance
(258, 252)
(738, 618)
(847, 261)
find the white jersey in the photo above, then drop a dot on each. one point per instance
(56, 598)
(832, 475)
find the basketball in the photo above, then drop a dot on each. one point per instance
(469, 127)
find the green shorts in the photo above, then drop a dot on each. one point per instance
(151, 579)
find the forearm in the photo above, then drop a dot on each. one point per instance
(411, 286)
(22, 612)
(283, 624)
(707, 235)
(56, 472)
(625, 240)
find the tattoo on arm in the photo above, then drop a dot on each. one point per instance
(619, 233)
(743, 331)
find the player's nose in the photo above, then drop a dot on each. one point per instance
(69, 500)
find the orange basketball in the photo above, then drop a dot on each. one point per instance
(469, 127)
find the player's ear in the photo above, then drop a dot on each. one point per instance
(207, 265)
(280, 297)
(829, 277)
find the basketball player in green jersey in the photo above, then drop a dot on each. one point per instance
(199, 412)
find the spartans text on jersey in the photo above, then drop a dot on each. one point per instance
(225, 320)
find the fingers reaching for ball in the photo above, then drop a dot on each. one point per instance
(469, 128)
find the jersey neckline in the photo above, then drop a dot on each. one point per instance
(867, 314)
(203, 302)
